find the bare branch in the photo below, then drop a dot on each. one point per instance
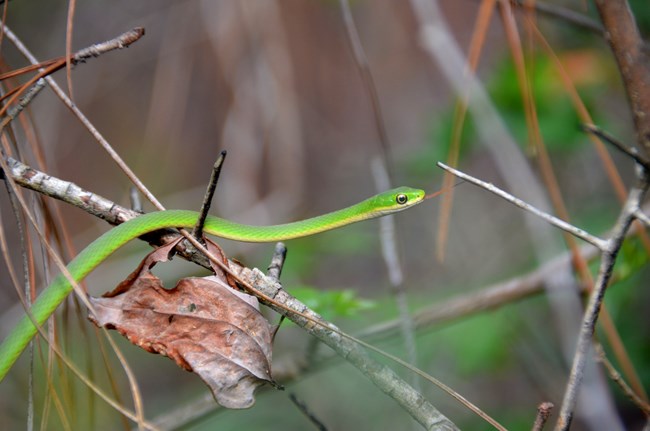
(395, 274)
(305, 410)
(563, 13)
(366, 76)
(642, 217)
(91, 203)
(567, 227)
(277, 261)
(84, 120)
(618, 379)
(592, 309)
(543, 413)
(209, 193)
(121, 41)
(630, 151)
(627, 45)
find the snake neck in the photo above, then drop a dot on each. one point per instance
(281, 232)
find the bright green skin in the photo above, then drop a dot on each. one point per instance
(100, 249)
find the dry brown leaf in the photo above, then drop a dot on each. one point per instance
(202, 324)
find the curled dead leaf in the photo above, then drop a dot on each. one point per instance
(202, 324)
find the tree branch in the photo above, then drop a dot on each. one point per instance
(625, 41)
(567, 227)
(382, 376)
(592, 309)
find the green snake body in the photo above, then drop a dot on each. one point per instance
(379, 205)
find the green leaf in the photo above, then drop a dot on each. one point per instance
(332, 303)
(631, 258)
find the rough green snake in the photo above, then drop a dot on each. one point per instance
(96, 252)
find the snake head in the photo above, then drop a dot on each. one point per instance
(396, 200)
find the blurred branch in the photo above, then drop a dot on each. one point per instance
(640, 215)
(570, 16)
(544, 411)
(381, 169)
(629, 151)
(633, 62)
(562, 13)
(366, 76)
(306, 411)
(618, 379)
(484, 298)
(390, 254)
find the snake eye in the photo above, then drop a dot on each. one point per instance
(401, 198)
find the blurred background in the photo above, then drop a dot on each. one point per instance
(278, 85)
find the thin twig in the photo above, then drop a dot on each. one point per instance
(305, 410)
(119, 42)
(618, 379)
(395, 274)
(563, 13)
(197, 232)
(274, 271)
(630, 151)
(134, 197)
(381, 171)
(277, 261)
(544, 411)
(366, 76)
(632, 59)
(567, 227)
(68, 44)
(122, 41)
